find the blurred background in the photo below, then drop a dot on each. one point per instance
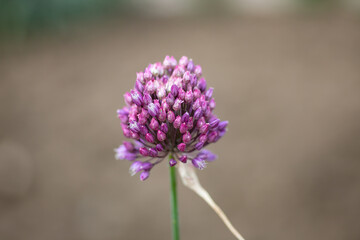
(286, 75)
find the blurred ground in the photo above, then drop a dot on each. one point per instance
(288, 168)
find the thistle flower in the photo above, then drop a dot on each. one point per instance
(170, 110)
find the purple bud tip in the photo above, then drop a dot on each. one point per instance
(183, 159)
(144, 175)
(172, 162)
(181, 147)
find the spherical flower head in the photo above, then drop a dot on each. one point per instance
(170, 110)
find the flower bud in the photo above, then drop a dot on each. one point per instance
(223, 125)
(184, 60)
(136, 97)
(144, 151)
(183, 158)
(142, 119)
(146, 166)
(200, 122)
(198, 70)
(209, 93)
(149, 137)
(161, 136)
(199, 163)
(140, 77)
(172, 162)
(161, 92)
(135, 167)
(170, 116)
(196, 93)
(134, 135)
(181, 94)
(129, 146)
(177, 104)
(189, 96)
(147, 99)
(183, 128)
(214, 123)
(139, 86)
(128, 98)
(181, 147)
(165, 105)
(212, 104)
(203, 138)
(153, 109)
(204, 128)
(159, 147)
(196, 104)
(143, 130)
(190, 123)
(212, 136)
(190, 66)
(186, 137)
(150, 87)
(134, 126)
(198, 113)
(177, 122)
(186, 77)
(152, 152)
(199, 146)
(154, 124)
(164, 127)
(185, 117)
(202, 84)
(170, 99)
(174, 90)
(144, 175)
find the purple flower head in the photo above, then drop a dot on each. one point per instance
(170, 110)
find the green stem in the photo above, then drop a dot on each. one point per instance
(173, 203)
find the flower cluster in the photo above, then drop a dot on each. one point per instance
(170, 110)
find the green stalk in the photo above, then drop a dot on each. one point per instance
(173, 203)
